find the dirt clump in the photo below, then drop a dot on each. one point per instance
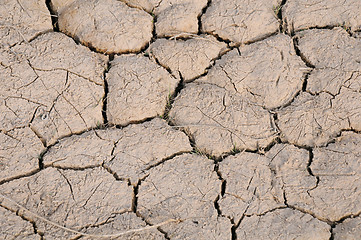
(109, 26)
(190, 58)
(138, 89)
(219, 121)
(305, 14)
(239, 21)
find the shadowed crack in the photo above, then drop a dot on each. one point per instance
(332, 237)
(223, 188)
(154, 31)
(233, 230)
(114, 174)
(106, 91)
(305, 81)
(135, 205)
(200, 16)
(172, 97)
(213, 62)
(307, 212)
(278, 12)
(161, 65)
(299, 53)
(54, 16)
(329, 27)
(25, 218)
(135, 196)
(236, 225)
(309, 170)
(166, 159)
(216, 204)
(31, 173)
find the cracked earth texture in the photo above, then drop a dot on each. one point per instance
(180, 119)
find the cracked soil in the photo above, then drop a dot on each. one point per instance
(180, 119)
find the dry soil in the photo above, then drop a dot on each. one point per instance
(180, 119)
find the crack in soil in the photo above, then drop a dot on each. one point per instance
(165, 116)
(171, 98)
(106, 90)
(53, 15)
(135, 205)
(204, 10)
(25, 218)
(278, 12)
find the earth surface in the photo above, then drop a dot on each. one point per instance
(180, 119)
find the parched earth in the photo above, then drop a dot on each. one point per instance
(180, 119)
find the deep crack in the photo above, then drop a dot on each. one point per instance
(278, 12)
(223, 189)
(200, 16)
(53, 15)
(172, 97)
(299, 53)
(106, 91)
(331, 231)
(135, 196)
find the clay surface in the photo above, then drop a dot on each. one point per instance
(239, 21)
(283, 224)
(138, 83)
(178, 17)
(190, 58)
(303, 14)
(14, 161)
(268, 73)
(310, 120)
(52, 108)
(180, 119)
(69, 197)
(14, 227)
(249, 187)
(350, 229)
(219, 121)
(185, 192)
(21, 21)
(336, 167)
(316, 120)
(109, 26)
(128, 153)
(320, 48)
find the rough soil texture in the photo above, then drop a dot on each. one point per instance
(331, 73)
(127, 152)
(350, 229)
(304, 14)
(241, 21)
(15, 226)
(219, 121)
(109, 26)
(52, 85)
(186, 188)
(189, 58)
(180, 119)
(283, 224)
(336, 170)
(136, 82)
(23, 21)
(268, 73)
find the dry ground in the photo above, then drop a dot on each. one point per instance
(180, 119)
